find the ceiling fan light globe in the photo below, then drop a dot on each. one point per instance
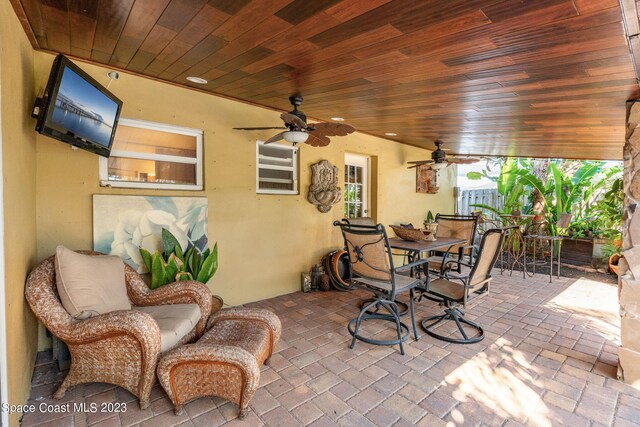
(438, 166)
(295, 136)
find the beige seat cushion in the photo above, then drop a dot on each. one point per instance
(90, 285)
(175, 321)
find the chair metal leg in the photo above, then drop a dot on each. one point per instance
(534, 255)
(453, 313)
(559, 250)
(524, 257)
(363, 311)
(413, 315)
(457, 320)
(393, 309)
(402, 330)
(550, 261)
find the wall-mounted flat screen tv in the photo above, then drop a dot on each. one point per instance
(77, 110)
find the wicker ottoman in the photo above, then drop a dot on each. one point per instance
(225, 362)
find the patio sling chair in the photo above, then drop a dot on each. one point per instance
(362, 220)
(121, 345)
(372, 269)
(460, 226)
(456, 289)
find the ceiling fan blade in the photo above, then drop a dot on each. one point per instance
(274, 138)
(463, 160)
(317, 140)
(420, 162)
(332, 129)
(292, 119)
(263, 128)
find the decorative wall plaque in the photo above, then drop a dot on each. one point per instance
(324, 191)
(426, 180)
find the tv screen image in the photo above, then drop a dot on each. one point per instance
(78, 110)
(83, 110)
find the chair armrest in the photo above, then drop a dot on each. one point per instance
(461, 249)
(447, 271)
(184, 292)
(256, 314)
(136, 324)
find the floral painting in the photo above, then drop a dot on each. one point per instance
(123, 224)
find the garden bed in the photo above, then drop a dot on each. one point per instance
(582, 251)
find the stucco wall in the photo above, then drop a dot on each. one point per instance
(19, 164)
(265, 241)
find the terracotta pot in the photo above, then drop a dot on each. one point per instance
(613, 264)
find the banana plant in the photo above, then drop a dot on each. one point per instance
(508, 185)
(173, 264)
(561, 192)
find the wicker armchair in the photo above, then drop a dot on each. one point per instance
(121, 347)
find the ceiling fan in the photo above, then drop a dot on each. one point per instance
(314, 134)
(439, 159)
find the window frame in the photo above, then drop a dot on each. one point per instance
(364, 162)
(142, 124)
(293, 168)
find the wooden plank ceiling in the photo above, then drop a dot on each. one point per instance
(544, 78)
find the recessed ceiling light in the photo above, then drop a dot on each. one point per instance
(337, 119)
(391, 134)
(197, 80)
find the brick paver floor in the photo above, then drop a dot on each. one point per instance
(549, 358)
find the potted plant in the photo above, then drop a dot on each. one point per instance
(430, 225)
(173, 264)
(428, 219)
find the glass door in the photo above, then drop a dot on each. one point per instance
(356, 186)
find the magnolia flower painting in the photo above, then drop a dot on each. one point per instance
(124, 224)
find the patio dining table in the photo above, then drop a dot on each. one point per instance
(414, 251)
(416, 248)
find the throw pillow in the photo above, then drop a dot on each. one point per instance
(90, 285)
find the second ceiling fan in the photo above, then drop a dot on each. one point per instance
(298, 130)
(439, 159)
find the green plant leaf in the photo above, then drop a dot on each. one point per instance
(183, 275)
(581, 179)
(169, 242)
(196, 260)
(172, 268)
(177, 261)
(158, 271)
(209, 266)
(178, 252)
(559, 194)
(188, 255)
(146, 257)
(474, 175)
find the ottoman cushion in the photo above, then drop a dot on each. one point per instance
(239, 333)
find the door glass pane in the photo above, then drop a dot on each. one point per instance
(355, 182)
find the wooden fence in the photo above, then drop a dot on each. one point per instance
(488, 197)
